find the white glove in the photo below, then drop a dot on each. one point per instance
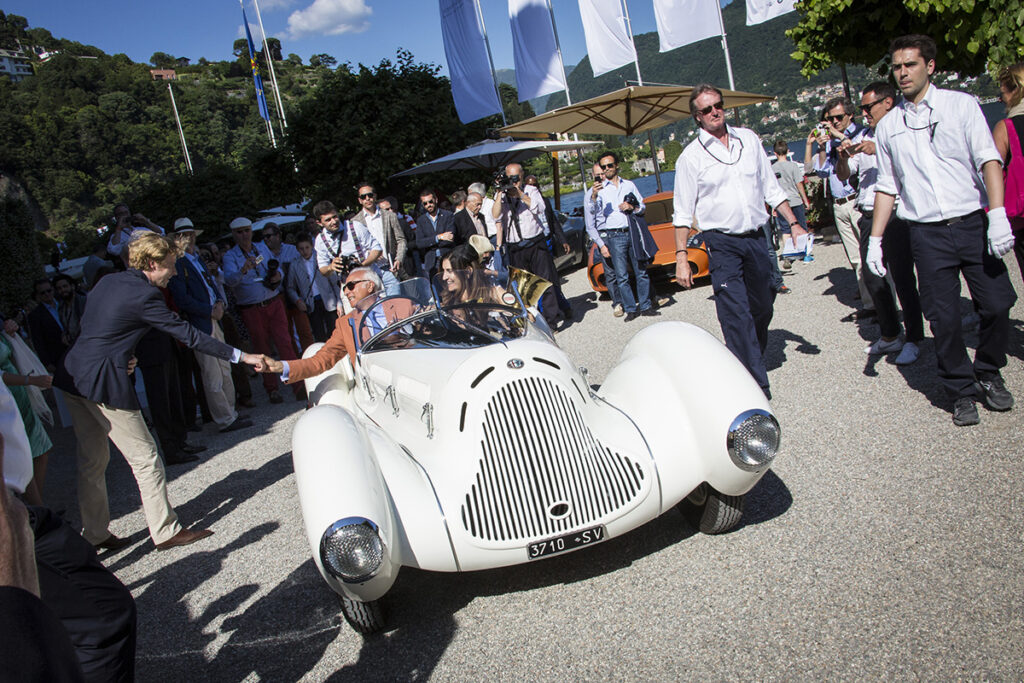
(875, 264)
(1000, 237)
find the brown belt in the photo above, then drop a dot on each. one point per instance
(262, 304)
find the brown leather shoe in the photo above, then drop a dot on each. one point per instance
(113, 543)
(184, 537)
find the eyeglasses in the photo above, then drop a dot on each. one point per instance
(866, 108)
(368, 195)
(930, 126)
(605, 167)
(719, 105)
(835, 118)
(351, 284)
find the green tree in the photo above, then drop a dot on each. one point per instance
(20, 263)
(240, 48)
(294, 59)
(162, 60)
(322, 59)
(396, 116)
(971, 35)
(275, 49)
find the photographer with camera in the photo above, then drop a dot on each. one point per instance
(610, 202)
(124, 224)
(342, 245)
(255, 276)
(518, 209)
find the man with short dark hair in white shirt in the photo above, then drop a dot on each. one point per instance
(723, 181)
(936, 153)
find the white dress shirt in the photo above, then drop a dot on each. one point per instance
(725, 189)
(930, 155)
(529, 217)
(605, 208)
(485, 209)
(839, 189)
(375, 224)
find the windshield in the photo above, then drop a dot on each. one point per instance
(463, 309)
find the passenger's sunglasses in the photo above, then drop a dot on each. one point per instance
(719, 105)
(351, 284)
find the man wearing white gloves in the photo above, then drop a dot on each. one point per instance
(936, 154)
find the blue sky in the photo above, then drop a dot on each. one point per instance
(364, 31)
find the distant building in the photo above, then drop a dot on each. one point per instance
(644, 166)
(15, 65)
(163, 74)
(661, 155)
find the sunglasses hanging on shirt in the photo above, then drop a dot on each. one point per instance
(715, 156)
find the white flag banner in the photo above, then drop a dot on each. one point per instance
(760, 11)
(538, 68)
(681, 22)
(468, 65)
(609, 45)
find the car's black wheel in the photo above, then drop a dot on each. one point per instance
(711, 512)
(365, 617)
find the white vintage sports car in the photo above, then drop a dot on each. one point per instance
(461, 437)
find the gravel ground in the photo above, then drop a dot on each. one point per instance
(885, 544)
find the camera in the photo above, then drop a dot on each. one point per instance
(504, 181)
(348, 263)
(272, 280)
(632, 200)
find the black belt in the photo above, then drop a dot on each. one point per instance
(756, 232)
(526, 244)
(953, 221)
(623, 228)
(842, 200)
(262, 304)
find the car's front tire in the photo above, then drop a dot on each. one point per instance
(711, 512)
(366, 618)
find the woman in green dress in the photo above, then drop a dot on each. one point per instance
(38, 439)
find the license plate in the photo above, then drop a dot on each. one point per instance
(561, 544)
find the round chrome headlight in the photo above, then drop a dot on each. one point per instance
(753, 440)
(351, 549)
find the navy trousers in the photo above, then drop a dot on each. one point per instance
(942, 252)
(899, 261)
(97, 611)
(741, 275)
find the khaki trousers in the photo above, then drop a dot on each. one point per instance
(217, 384)
(93, 424)
(847, 217)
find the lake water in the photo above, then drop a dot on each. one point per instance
(648, 185)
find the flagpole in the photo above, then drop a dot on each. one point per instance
(640, 82)
(181, 132)
(490, 60)
(568, 101)
(270, 64)
(728, 61)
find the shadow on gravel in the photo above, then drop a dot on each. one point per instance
(775, 354)
(182, 638)
(216, 502)
(842, 285)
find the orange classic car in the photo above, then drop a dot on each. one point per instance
(659, 221)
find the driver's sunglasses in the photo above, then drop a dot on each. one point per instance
(351, 284)
(719, 105)
(368, 195)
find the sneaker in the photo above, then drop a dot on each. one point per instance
(965, 413)
(783, 290)
(882, 347)
(909, 354)
(663, 301)
(995, 394)
(650, 313)
(787, 264)
(808, 258)
(630, 317)
(618, 311)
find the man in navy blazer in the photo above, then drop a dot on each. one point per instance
(201, 301)
(435, 232)
(44, 324)
(96, 374)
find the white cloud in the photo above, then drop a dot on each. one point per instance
(330, 17)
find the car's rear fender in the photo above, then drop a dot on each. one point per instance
(338, 477)
(683, 389)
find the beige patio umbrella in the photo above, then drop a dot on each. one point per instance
(630, 110)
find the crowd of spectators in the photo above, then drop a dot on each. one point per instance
(200, 318)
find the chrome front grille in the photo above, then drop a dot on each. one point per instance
(539, 459)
